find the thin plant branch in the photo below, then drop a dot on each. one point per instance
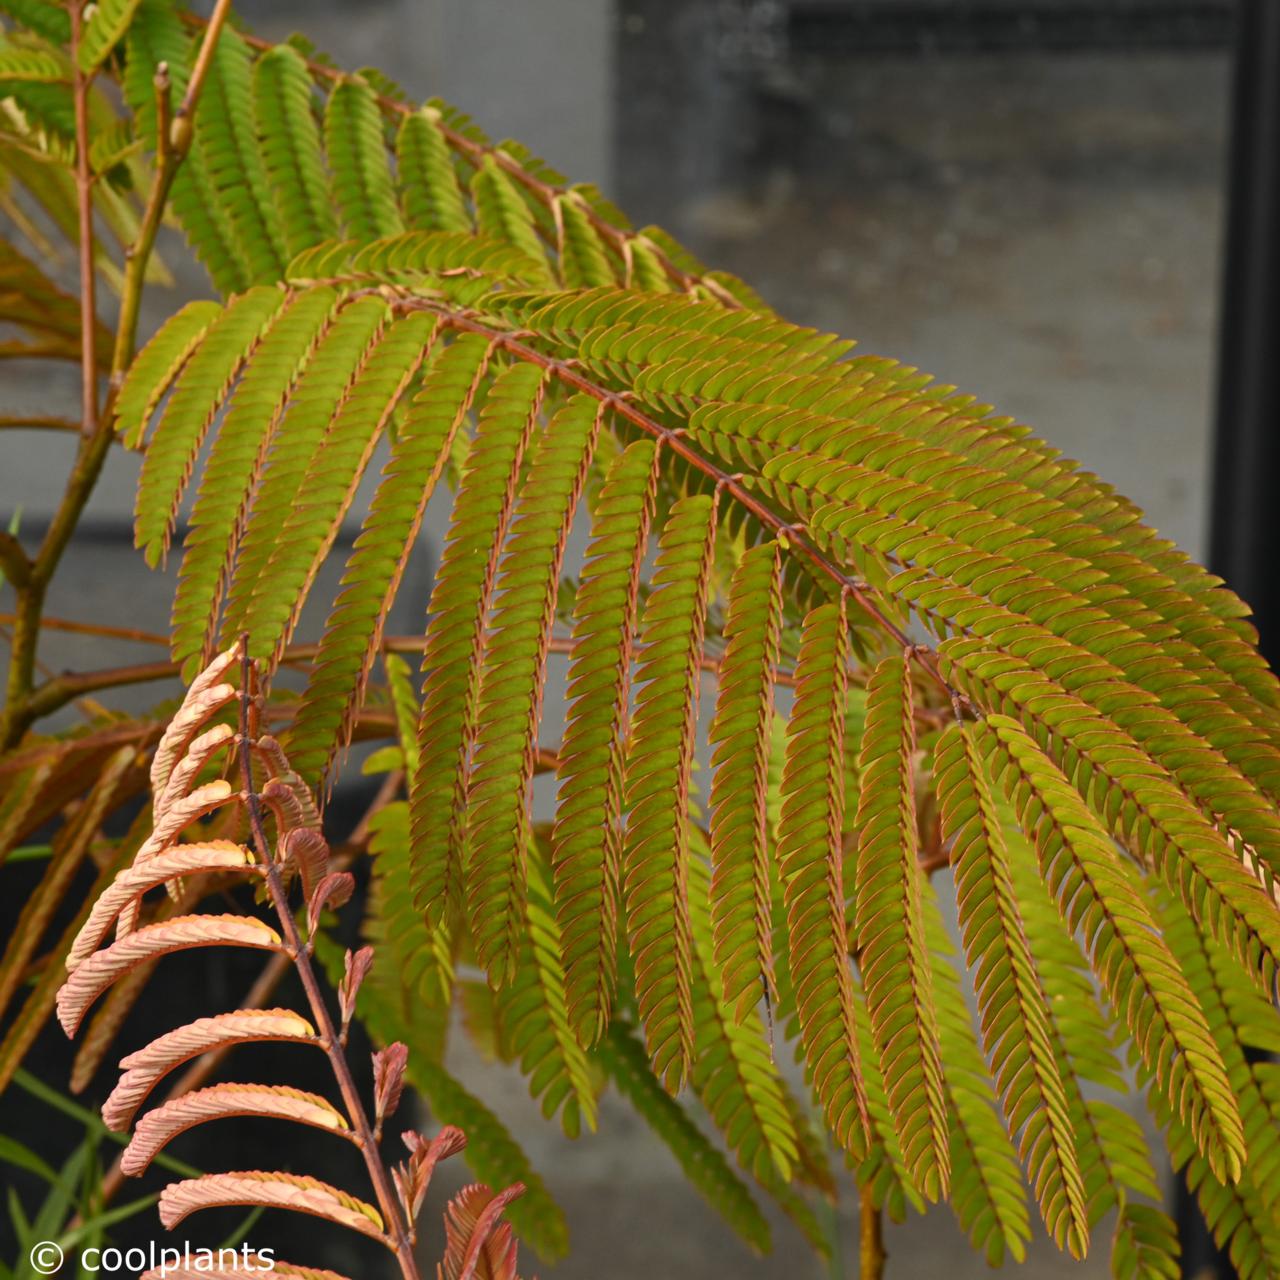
(871, 1251)
(397, 1229)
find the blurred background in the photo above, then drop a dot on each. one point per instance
(1027, 198)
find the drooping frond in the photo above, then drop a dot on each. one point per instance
(291, 151)
(362, 184)
(739, 787)
(377, 563)
(429, 190)
(534, 1018)
(1015, 1024)
(987, 1192)
(1241, 1212)
(656, 849)
(188, 413)
(1115, 1164)
(460, 602)
(1098, 893)
(510, 681)
(893, 955)
(587, 841)
(809, 859)
(733, 1071)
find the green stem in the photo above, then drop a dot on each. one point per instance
(871, 1254)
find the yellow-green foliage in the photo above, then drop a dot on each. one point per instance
(731, 537)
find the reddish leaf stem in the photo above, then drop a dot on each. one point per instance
(397, 1233)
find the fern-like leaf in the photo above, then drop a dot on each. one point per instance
(586, 840)
(739, 733)
(362, 186)
(656, 851)
(893, 955)
(291, 151)
(508, 699)
(418, 456)
(1095, 891)
(429, 189)
(459, 602)
(172, 449)
(1015, 1026)
(809, 857)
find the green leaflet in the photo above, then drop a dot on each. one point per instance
(809, 859)
(586, 851)
(584, 260)
(361, 178)
(1140, 801)
(44, 17)
(227, 130)
(424, 956)
(381, 552)
(893, 957)
(1015, 1024)
(655, 850)
(512, 671)
(103, 31)
(1097, 892)
(156, 365)
(739, 735)
(733, 1070)
(459, 604)
(320, 393)
(987, 1193)
(883, 1168)
(306, 530)
(291, 153)
(502, 213)
(189, 413)
(234, 467)
(1145, 1245)
(32, 65)
(534, 1017)
(157, 35)
(429, 191)
(623, 1057)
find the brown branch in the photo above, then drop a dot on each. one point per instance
(96, 629)
(398, 1234)
(36, 422)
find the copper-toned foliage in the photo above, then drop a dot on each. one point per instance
(146, 1067)
(273, 1190)
(479, 1245)
(160, 1126)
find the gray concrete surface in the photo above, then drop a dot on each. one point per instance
(1040, 231)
